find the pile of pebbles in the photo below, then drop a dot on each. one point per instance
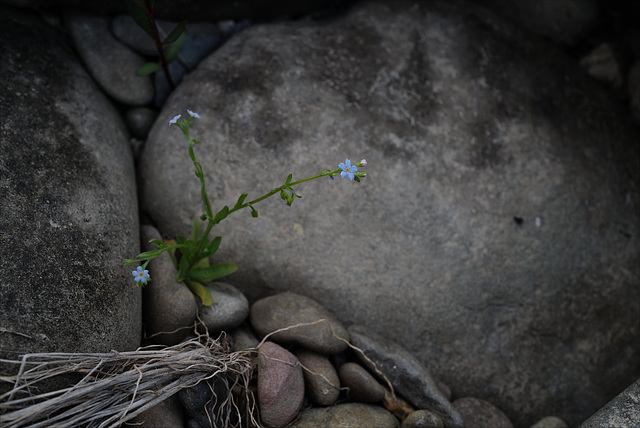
(310, 369)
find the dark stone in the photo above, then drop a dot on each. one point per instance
(68, 207)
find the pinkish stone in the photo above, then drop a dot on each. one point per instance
(280, 385)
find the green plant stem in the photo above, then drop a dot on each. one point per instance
(158, 43)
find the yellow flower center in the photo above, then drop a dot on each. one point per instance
(141, 274)
(346, 169)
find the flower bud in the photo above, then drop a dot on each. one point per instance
(363, 162)
(284, 195)
(290, 200)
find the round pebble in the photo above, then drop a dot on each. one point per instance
(229, 308)
(286, 310)
(280, 385)
(422, 419)
(550, 422)
(479, 413)
(100, 51)
(352, 415)
(363, 387)
(321, 379)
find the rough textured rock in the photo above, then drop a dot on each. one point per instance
(168, 306)
(622, 411)
(480, 413)
(407, 375)
(280, 385)
(499, 217)
(68, 208)
(352, 415)
(290, 309)
(100, 51)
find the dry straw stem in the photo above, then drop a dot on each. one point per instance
(118, 386)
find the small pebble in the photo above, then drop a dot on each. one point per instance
(480, 413)
(99, 51)
(168, 305)
(363, 387)
(422, 419)
(320, 377)
(229, 308)
(351, 415)
(280, 385)
(550, 422)
(140, 120)
(289, 309)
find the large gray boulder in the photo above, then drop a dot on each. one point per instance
(497, 235)
(68, 207)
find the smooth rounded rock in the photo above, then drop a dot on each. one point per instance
(480, 413)
(407, 375)
(463, 130)
(280, 385)
(363, 387)
(287, 310)
(111, 64)
(423, 419)
(320, 377)
(243, 338)
(229, 308)
(140, 120)
(550, 422)
(351, 415)
(169, 307)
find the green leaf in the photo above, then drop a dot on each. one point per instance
(148, 68)
(221, 215)
(214, 245)
(140, 16)
(200, 291)
(172, 49)
(289, 179)
(195, 232)
(175, 33)
(240, 201)
(212, 273)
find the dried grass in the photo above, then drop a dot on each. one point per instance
(117, 386)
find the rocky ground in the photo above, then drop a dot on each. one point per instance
(488, 268)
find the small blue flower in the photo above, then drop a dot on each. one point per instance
(174, 120)
(193, 114)
(141, 275)
(347, 169)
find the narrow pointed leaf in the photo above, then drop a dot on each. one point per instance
(172, 49)
(148, 68)
(200, 291)
(175, 33)
(140, 16)
(212, 272)
(240, 200)
(221, 215)
(213, 246)
(289, 179)
(195, 232)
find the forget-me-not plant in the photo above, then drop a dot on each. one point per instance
(191, 255)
